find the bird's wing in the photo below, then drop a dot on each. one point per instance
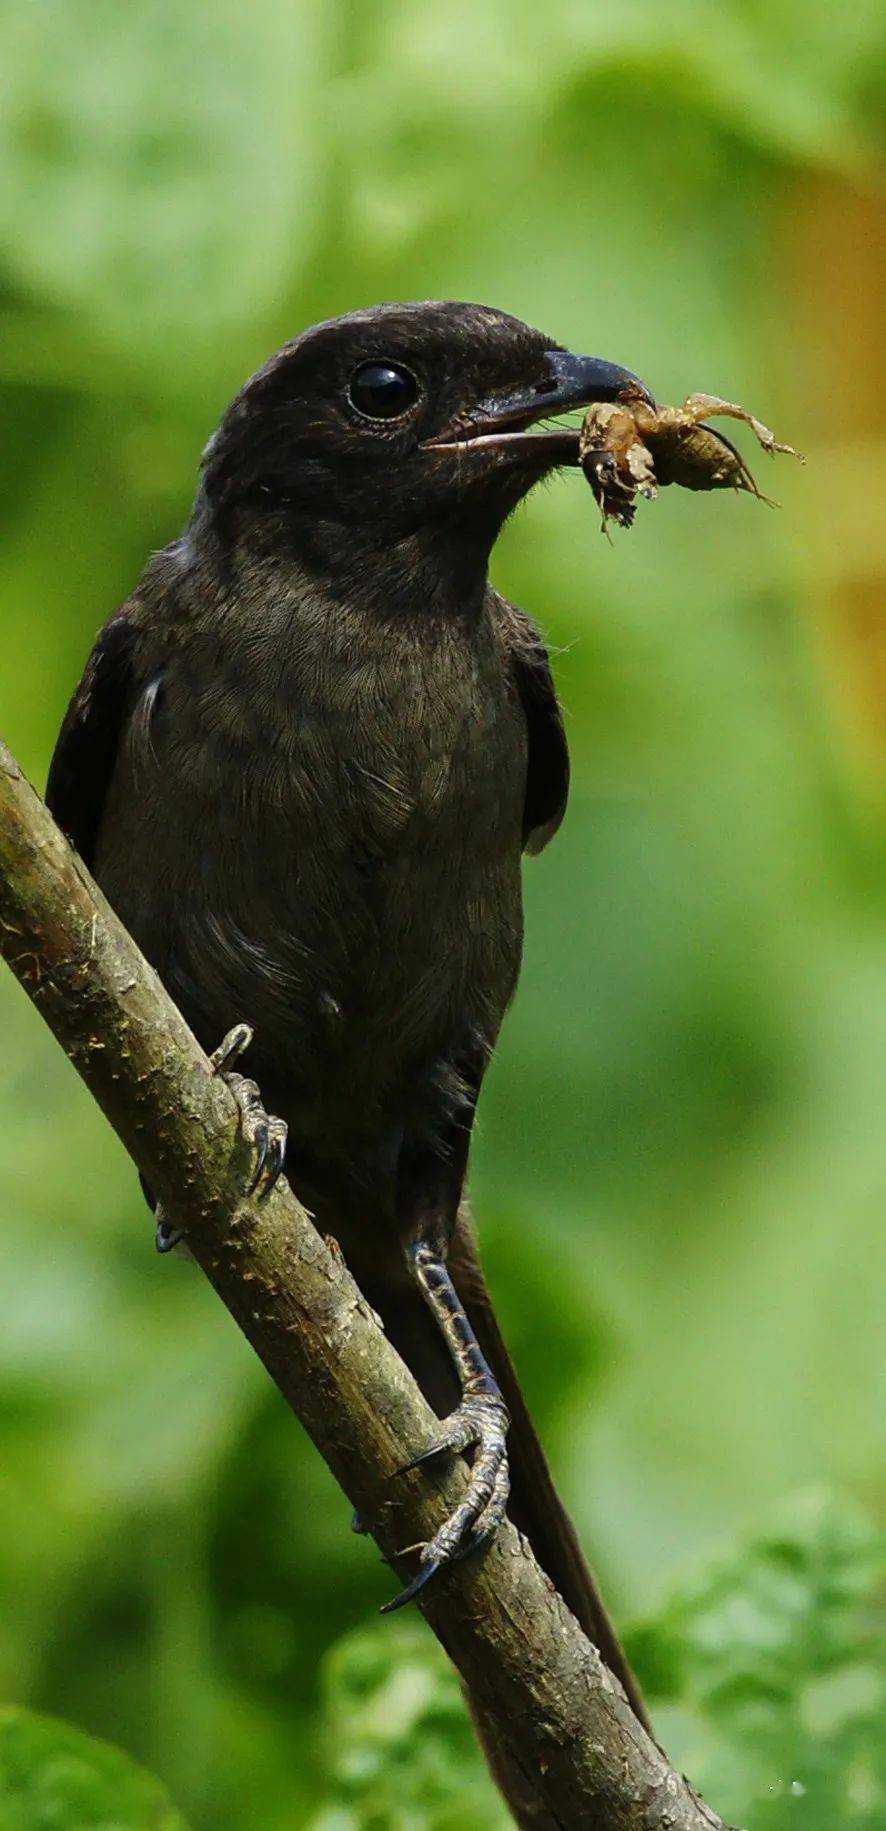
(84, 755)
(547, 773)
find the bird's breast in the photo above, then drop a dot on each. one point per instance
(329, 844)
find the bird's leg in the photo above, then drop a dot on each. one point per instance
(431, 1185)
(263, 1134)
(480, 1422)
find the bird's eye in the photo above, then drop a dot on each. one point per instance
(382, 390)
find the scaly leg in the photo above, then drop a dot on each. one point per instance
(432, 1174)
(480, 1421)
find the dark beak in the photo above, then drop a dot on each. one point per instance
(501, 423)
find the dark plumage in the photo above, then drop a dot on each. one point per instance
(303, 763)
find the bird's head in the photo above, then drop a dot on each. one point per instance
(402, 419)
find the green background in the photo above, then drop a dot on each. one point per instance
(680, 1162)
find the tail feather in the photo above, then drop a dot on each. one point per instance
(535, 1505)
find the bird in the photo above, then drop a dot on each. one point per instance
(304, 762)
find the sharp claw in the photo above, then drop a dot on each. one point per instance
(261, 1139)
(436, 1449)
(231, 1047)
(273, 1169)
(408, 1594)
(166, 1239)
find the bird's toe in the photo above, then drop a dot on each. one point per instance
(482, 1423)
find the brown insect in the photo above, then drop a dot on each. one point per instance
(631, 448)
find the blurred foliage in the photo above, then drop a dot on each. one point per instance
(767, 1676)
(399, 1746)
(771, 1674)
(680, 1163)
(52, 1778)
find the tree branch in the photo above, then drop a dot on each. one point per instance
(553, 1710)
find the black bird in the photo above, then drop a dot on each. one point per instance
(303, 763)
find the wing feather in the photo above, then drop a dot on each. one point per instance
(86, 748)
(547, 773)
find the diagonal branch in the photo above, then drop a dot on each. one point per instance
(552, 1710)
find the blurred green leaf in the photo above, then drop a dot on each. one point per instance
(53, 1778)
(768, 1674)
(778, 1656)
(156, 158)
(400, 1749)
(767, 1679)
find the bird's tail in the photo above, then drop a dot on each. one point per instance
(535, 1506)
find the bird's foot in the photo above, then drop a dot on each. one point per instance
(481, 1422)
(263, 1134)
(167, 1237)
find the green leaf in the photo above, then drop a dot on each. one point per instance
(401, 1750)
(781, 1656)
(54, 1778)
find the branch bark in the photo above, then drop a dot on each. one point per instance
(553, 1710)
